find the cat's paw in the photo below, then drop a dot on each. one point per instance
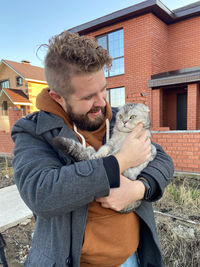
(131, 207)
(91, 151)
(102, 152)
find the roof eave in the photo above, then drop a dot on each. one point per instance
(187, 13)
(23, 103)
(149, 6)
(37, 81)
(3, 91)
(3, 61)
(174, 80)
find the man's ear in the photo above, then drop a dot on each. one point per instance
(59, 99)
(56, 97)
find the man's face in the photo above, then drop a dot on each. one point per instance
(86, 106)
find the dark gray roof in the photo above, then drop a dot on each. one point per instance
(150, 6)
(182, 76)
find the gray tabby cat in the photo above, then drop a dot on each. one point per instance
(127, 118)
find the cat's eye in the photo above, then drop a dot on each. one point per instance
(132, 117)
(120, 116)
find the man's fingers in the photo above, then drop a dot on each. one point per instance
(137, 130)
(101, 199)
(144, 136)
(103, 202)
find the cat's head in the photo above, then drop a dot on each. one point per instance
(130, 115)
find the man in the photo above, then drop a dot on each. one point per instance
(76, 204)
(2, 253)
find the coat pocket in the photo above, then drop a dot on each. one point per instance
(36, 259)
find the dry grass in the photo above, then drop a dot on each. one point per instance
(180, 241)
(6, 172)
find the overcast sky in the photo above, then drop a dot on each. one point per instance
(26, 24)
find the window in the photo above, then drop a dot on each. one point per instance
(4, 84)
(4, 108)
(19, 81)
(114, 43)
(116, 97)
(23, 108)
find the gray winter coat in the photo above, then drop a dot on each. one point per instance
(58, 193)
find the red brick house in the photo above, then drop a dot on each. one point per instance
(156, 60)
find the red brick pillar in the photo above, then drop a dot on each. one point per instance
(192, 106)
(157, 110)
(14, 115)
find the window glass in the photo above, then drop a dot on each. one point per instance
(117, 67)
(102, 41)
(18, 81)
(114, 43)
(116, 96)
(4, 84)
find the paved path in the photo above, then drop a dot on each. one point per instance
(12, 208)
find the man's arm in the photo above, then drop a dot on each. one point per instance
(158, 174)
(48, 187)
(121, 197)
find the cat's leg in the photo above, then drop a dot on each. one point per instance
(153, 152)
(75, 149)
(131, 207)
(104, 150)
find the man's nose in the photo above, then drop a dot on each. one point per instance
(100, 101)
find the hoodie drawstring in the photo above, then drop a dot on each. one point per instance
(83, 139)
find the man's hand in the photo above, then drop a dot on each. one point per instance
(119, 198)
(135, 149)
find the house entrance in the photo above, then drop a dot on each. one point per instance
(181, 119)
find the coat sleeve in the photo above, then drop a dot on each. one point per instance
(160, 171)
(48, 187)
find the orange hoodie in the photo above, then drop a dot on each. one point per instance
(110, 237)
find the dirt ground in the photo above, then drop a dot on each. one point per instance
(178, 227)
(18, 240)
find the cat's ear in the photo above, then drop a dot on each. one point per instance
(142, 107)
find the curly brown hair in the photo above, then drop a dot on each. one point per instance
(70, 54)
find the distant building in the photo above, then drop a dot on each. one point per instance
(20, 83)
(21, 77)
(156, 61)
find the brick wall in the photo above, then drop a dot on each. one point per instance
(159, 55)
(183, 147)
(8, 74)
(192, 106)
(6, 143)
(151, 47)
(137, 58)
(183, 44)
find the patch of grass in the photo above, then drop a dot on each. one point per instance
(6, 172)
(183, 194)
(180, 239)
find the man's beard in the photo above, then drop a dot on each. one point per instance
(83, 122)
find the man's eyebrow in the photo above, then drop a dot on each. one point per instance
(91, 95)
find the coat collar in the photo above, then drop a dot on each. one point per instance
(48, 121)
